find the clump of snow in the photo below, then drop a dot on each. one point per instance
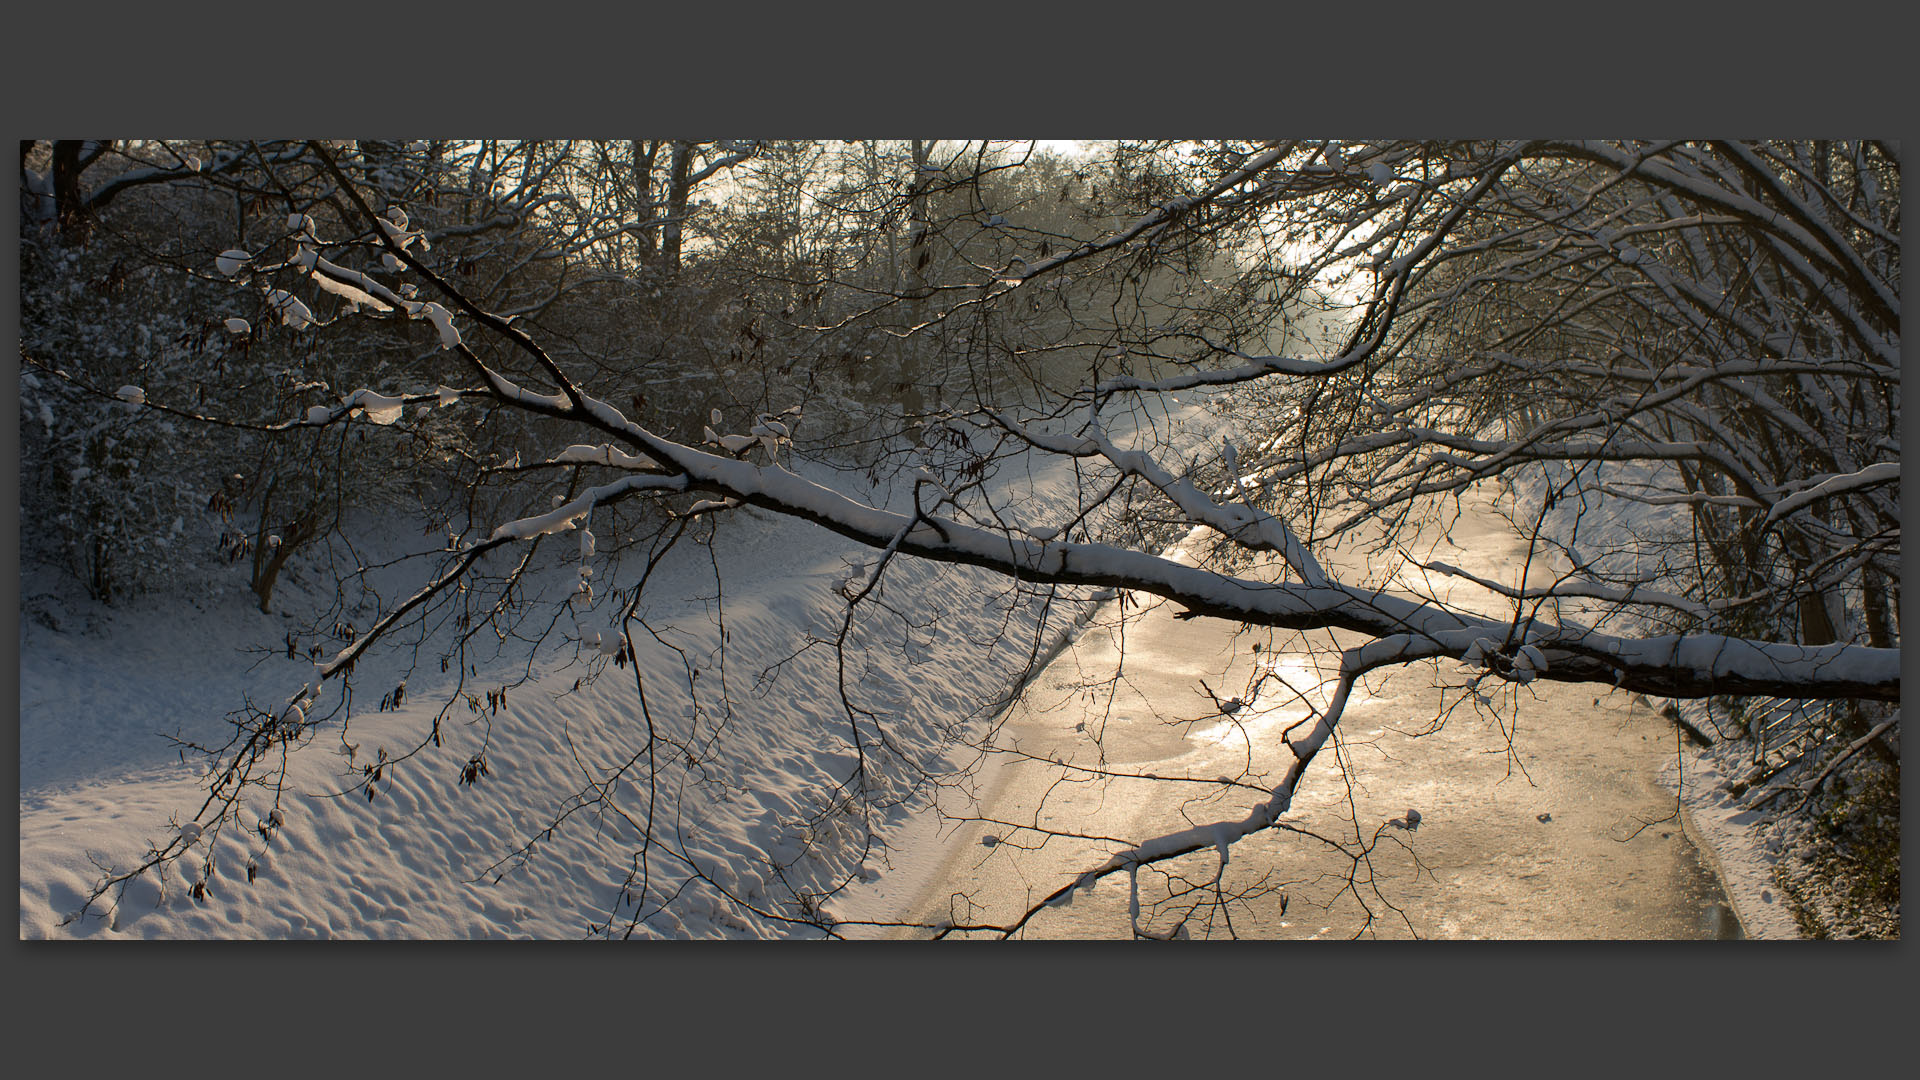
(562, 518)
(381, 409)
(230, 261)
(733, 444)
(133, 395)
(292, 312)
(442, 320)
(1477, 653)
(355, 297)
(401, 235)
(239, 326)
(583, 454)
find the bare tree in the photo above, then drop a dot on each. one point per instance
(1712, 326)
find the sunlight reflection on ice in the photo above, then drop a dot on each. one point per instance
(1292, 683)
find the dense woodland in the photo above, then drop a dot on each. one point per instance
(231, 351)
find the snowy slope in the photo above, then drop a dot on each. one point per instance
(744, 768)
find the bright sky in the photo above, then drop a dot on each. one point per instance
(1065, 146)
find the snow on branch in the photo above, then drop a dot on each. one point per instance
(1619, 492)
(1632, 594)
(1886, 472)
(569, 514)
(1689, 665)
(604, 454)
(350, 285)
(560, 519)
(1256, 368)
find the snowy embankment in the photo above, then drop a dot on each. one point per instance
(744, 692)
(1731, 838)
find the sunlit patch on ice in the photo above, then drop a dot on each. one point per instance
(1292, 677)
(1291, 685)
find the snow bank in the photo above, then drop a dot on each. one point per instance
(750, 753)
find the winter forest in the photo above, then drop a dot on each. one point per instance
(752, 538)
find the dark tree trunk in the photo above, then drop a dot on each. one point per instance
(644, 151)
(70, 212)
(670, 231)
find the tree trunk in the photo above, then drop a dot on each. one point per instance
(676, 207)
(644, 151)
(919, 257)
(920, 240)
(1816, 627)
(1874, 601)
(69, 210)
(270, 558)
(267, 572)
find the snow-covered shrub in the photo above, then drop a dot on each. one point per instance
(116, 493)
(145, 312)
(1841, 868)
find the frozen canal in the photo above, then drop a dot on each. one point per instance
(1540, 815)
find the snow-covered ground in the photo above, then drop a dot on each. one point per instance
(415, 861)
(741, 813)
(745, 770)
